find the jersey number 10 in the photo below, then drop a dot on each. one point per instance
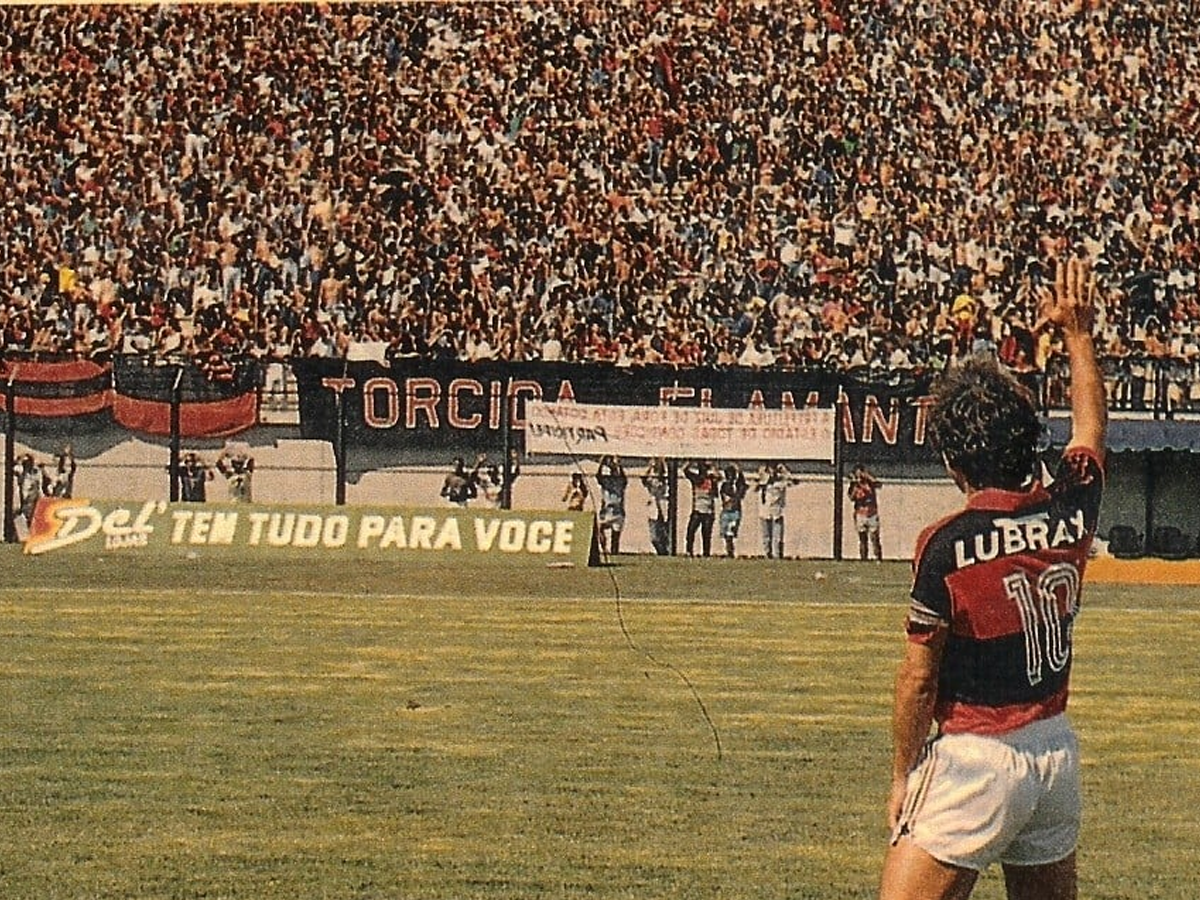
(1047, 611)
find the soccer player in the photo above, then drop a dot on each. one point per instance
(988, 656)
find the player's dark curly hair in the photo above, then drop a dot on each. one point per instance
(985, 423)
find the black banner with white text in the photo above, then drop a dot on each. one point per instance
(428, 410)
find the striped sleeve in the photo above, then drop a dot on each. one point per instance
(929, 606)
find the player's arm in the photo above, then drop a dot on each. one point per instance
(912, 711)
(1072, 307)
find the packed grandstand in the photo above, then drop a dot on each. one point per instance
(835, 184)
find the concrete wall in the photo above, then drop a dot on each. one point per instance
(300, 471)
(905, 507)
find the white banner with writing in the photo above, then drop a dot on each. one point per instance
(682, 432)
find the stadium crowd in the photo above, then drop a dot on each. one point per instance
(871, 183)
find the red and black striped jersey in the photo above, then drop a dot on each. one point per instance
(1004, 575)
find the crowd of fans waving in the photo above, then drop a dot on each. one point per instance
(836, 183)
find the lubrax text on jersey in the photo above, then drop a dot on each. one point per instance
(1022, 535)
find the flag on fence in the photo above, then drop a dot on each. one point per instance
(57, 388)
(217, 398)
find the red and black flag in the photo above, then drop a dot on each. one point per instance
(218, 397)
(56, 389)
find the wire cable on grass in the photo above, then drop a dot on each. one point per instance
(662, 663)
(618, 600)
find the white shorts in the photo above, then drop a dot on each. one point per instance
(612, 517)
(867, 524)
(1013, 798)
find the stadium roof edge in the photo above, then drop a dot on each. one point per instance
(1138, 434)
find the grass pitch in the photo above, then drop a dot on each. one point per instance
(655, 729)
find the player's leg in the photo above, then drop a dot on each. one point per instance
(910, 873)
(1053, 828)
(1054, 881)
(960, 812)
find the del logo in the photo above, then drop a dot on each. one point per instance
(61, 523)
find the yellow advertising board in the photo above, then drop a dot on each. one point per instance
(474, 535)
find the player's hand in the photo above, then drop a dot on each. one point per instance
(1071, 305)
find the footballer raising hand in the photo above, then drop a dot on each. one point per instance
(1071, 307)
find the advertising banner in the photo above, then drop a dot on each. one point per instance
(472, 536)
(679, 431)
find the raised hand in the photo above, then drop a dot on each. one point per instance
(1071, 305)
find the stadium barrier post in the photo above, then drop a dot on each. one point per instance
(506, 443)
(176, 433)
(839, 474)
(339, 448)
(10, 455)
(673, 504)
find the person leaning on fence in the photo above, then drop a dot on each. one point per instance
(489, 482)
(658, 502)
(864, 497)
(995, 594)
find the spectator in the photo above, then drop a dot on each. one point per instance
(864, 496)
(773, 483)
(576, 494)
(732, 491)
(704, 478)
(654, 480)
(459, 486)
(613, 482)
(237, 465)
(61, 481)
(194, 475)
(30, 478)
(491, 480)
